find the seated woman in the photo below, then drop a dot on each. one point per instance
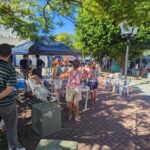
(36, 85)
(34, 76)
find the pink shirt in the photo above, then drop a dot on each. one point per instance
(74, 79)
(87, 69)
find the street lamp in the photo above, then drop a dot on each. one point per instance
(127, 32)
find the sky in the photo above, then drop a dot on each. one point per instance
(68, 27)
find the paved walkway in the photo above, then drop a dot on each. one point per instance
(143, 85)
(113, 123)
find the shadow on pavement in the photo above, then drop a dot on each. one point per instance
(114, 122)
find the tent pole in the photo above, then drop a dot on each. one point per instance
(14, 59)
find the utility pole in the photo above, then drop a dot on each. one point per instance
(127, 32)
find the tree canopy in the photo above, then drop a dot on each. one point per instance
(97, 23)
(135, 12)
(99, 34)
(30, 17)
(65, 38)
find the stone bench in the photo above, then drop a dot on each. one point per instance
(45, 144)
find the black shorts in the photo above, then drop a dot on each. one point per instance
(92, 84)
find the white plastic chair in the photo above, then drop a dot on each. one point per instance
(116, 85)
(41, 92)
(117, 75)
(108, 84)
(28, 86)
(124, 88)
(31, 86)
(38, 90)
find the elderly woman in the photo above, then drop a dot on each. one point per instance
(73, 90)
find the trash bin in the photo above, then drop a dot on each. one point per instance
(46, 118)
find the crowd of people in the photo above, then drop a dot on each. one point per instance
(106, 62)
(67, 80)
(77, 78)
(138, 70)
(72, 79)
(26, 65)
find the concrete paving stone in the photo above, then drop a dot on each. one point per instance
(113, 123)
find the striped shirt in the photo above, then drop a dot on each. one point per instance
(7, 78)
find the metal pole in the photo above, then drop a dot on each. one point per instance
(126, 59)
(14, 60)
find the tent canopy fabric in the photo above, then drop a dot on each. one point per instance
(23, 48)
(44, 47)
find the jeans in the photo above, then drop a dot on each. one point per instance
(9, 114)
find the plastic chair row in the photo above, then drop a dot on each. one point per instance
(121, 86)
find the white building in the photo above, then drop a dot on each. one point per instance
(10, 37)
(7, 32)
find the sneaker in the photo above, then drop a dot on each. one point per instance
(77, 118)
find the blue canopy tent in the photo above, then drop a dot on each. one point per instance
(44, 46)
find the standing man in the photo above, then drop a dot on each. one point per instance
(8, 110)
(39, 64)
(25, 65)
